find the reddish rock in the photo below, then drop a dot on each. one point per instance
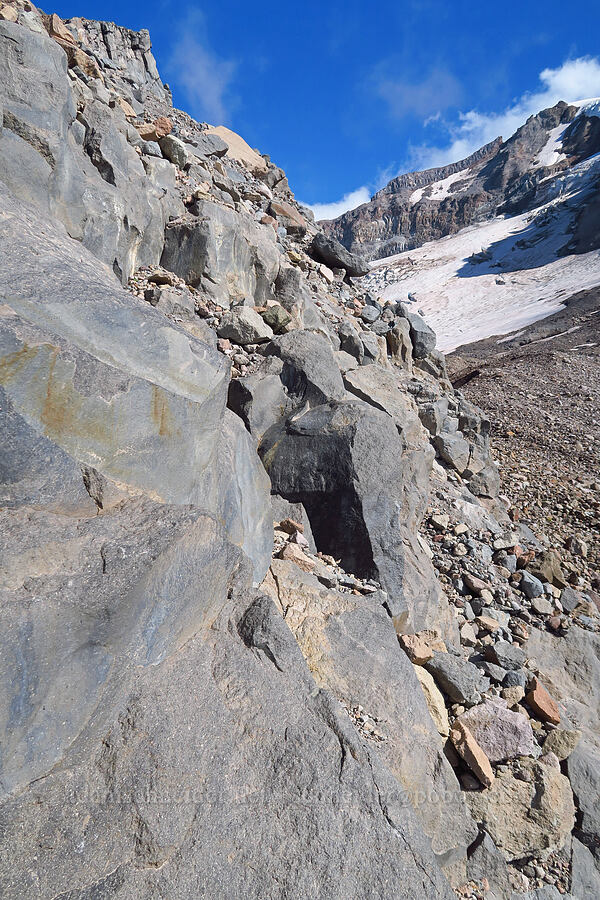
(471, 752)
(155, 131)
(290, 526)
(289, 217)
(420, 647)
(295, 555)
(474, 584)
(542, 703)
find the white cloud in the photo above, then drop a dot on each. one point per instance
(576, 79)
(337, 207)
(199, 72)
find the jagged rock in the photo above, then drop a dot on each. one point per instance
(310, 372)
(341, 460)
(243, 325)
(422, 336)
(501, 733)
(277, 318)
(583, 766)
(350, 341)
(541, 811)
(531, 586)
(421, 647)
(238, 149)
(542, 703)
(435, 701)
(209, 144)
(289, 217)
(334, 254)
(351, 650)
(154, 131)
(225, 253)
(486, 861)
(486, 483)
(399, 344)
(476, 759)
(453, 449)
(460, 680)
(260, 399)
(174, 150)
(562, 742)
(96, 188)
(585, 874)
(547, 567)
(506, 655)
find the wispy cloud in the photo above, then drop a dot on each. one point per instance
(576, 79)
(201, 74)
(337, 207)
(429, 97)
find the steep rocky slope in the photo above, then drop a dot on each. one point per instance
(246, 521)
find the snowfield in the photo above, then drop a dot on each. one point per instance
(519, 277)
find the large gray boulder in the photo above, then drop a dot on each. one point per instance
(332, 253)
(343, 461)
(227, 254)
(310, 372)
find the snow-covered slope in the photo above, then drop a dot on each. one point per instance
(500, 275)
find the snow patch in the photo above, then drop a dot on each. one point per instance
(439, 189)
(551, 153)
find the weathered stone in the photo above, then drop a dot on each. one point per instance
(174, 150)
(420, 647)
(471, 752)
(460, 680)
(542, 703)
(238, 149)
(422, 336)
(276, 317)
(344, 461)
(310, 372)
(434, 700)
(295, 555)
(585, 874)
(583, 767)
(453, 449)
(508, 656)
(334, 254)
(541, 811)
(227, 254)
(485, 861)
(501, 733)
(156, 130)
(531, 586)
(562, 742)
(547, 567)
(293, 222)
(243, 325)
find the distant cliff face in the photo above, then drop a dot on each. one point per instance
(501, 177)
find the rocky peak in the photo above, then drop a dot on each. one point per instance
(502, 177)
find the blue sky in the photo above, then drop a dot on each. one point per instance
(344, 95)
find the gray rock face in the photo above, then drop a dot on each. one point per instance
(458, 679)
(95, 186)
(585, 874)
(310, 373)
(422, 336)
(341, 460)
(486, 861)
(225, 253)
(334, 254)
(147, 800)
(584, 774)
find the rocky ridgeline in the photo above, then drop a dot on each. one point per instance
(503, 177)
(240, 658)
